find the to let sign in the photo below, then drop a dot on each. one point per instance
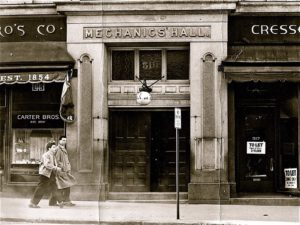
(290, 177)
(256, 147)
(177, 118)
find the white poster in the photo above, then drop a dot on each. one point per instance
(290, 177)
(256, 147)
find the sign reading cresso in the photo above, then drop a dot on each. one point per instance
(243, 30)
(276, 29)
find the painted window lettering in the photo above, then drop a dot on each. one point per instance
(275, 29)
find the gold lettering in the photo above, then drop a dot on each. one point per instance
(183, 33)
(118, 33)
(161, 32)
(137, 32)
(98, 33)
(88, 33)
(174, 32)
(108, 33)
(127, 33)
(192, 32)
(152, 32)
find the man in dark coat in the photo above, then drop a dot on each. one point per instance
(64, 179)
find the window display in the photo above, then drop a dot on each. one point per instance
(29, 145)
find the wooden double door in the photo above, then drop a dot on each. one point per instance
(142, 151)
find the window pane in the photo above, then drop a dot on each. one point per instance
(288, 131)
(35, 120)
(123, 65)
(177, 64)
(150, 65)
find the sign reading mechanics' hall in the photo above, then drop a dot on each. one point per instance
(146, 32)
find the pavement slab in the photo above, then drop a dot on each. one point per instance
(16, 211)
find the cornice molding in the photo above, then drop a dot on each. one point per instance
(141, 7)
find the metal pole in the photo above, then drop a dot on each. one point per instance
(177, 172)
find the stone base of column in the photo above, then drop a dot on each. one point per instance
(209, 193)
(103, 192)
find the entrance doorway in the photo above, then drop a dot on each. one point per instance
(256, 148)
(142, 151)
(266, 131)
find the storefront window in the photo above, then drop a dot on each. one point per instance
(35, 121)
(288, 134)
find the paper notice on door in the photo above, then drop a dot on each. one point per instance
(256, 147)
(290, 177)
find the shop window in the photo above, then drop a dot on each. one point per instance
(150, 64)
(178, 64)
(288, 157)
(35, 121)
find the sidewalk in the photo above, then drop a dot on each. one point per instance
(121, 213)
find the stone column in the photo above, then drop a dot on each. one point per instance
(209, 181)
(89, 134)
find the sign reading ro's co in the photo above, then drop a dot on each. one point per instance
(46, 28)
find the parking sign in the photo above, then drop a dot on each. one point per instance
(177, 122)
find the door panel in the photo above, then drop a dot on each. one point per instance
(129, 151)
(163, 152)
(256, 136)
(142, 151)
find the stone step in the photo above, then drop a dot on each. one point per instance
(284, 201)
(147, 196)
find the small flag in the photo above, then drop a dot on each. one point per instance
(66, 110)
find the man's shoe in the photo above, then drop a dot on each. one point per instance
(69, 204)
(61, 205)
(56, 204)
(31, 205)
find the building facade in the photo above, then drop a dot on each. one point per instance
(232, 68)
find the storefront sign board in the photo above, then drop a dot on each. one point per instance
(32, 77)
(264, 29)
(290, 177)
(146, 32)
(256, 147)
(30, 28)
(36, 120)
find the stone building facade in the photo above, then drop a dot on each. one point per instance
(207, 59)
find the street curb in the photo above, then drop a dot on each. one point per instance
(41, 221)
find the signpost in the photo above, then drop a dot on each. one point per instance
(177, 124)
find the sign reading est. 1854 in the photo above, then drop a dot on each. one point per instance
(32, 77)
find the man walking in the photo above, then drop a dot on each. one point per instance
(64, 179)
(47, 184)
